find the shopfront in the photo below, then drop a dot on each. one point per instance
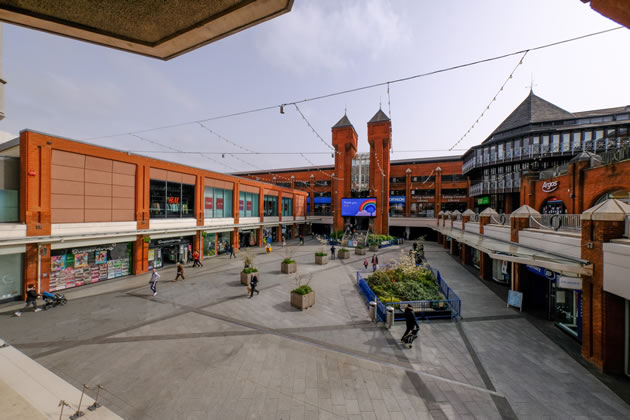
(501, 271)
(74, 267)
(247, 238)
(397, 206)
(11, 276)
(270, 232)
(169, 251)
(553, 205)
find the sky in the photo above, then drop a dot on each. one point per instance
(90, 93)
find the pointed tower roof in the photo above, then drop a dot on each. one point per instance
(532, 110)
(524, 212)
(343, 122)
(611, 209)
(380, 116)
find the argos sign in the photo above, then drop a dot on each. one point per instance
(549, 186)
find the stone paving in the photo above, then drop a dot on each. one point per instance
(202, 350)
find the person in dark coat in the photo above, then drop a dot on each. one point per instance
(410, 321)
(180, 272)
(374, 262)
(31, 300)
(332, 252)
(253, 282)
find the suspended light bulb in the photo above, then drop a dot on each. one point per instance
(282, 109)
(223, 155)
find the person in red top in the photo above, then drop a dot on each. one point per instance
(196, 261)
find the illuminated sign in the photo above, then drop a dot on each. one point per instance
(358, 207)
(549, 186)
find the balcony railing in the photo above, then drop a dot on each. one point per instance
(561, 222)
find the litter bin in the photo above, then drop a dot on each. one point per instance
(390, 317)
(373, 311)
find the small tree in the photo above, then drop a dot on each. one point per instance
(247, 258)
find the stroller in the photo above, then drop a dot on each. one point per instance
(411, 337)
(50, 300)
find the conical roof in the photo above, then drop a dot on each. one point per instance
(343, 122)
(524, 212)
(613, 210)
(380, 116)
(468, 213)
(489, 212)
(532, 110)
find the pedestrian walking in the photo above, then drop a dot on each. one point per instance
(301, 239)
(155, 276)
(31, 300)
(196, 261)
(366, 263)
(410, 321)
(284, 241)
(332, 252)
(253, 282)
(180, 271)
(232, 254)
(374, 262)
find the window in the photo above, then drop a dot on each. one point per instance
(271, 205)
(287, 206)
(248, 204)
(577, 141)
(171, 199)
(555, 143)
(217, 203)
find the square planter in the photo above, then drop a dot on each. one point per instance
(373, 248)
(321, 260)
(343, 255)
(246, 278)
(302, 301)
(288, 268)
(359, 251)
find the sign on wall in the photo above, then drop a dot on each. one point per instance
(550, 186)
(358, 207)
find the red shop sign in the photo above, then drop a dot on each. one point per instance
(219, 204)
(240, 204)
(173, 200)
(249, 205)
(208, 203)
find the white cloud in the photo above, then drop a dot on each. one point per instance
(311, 38)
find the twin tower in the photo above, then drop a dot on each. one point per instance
(344, 139)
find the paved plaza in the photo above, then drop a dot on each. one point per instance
(201, 349)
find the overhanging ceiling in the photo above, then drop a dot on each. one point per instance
(160, 29)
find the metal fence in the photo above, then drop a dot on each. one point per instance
(561, 222)
(450, 307)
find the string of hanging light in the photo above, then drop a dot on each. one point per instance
(487, 108)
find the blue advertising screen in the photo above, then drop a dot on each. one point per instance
(358, 207)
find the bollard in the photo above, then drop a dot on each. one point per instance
(79, 413)
(373, 311)
(390, 317)
(96, 403)
(62, 404)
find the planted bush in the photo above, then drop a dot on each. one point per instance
(321, 254)
(288, 260)
(302, 290)
(405, 282)
(250, 270)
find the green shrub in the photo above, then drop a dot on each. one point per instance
(305, 289)
(250, 270)
(288, 261)
(321, 254)
(406, 282)
(344, 250)
(359, 246)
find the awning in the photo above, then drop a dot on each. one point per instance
(521, 254)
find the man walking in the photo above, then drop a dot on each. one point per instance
(332, 252)
(155, 276)
(31, 300)
(180, 271)
(232, 254)
(410, 321)
(253, 282)
(374, 262)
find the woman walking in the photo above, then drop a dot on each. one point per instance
(153, 282)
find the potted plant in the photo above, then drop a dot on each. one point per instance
(321, 256)
(302, 297)
(373, 245)
(359, 250)
(248, 267)
(343, 253)
(288, 264)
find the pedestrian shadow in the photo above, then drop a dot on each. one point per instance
(285, 307)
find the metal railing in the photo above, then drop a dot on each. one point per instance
(450, 307)
(500, 219)
(561, 222)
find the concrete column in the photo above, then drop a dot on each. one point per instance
(234, 238)
(519, 220)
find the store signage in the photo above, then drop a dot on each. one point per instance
(483, 200)
(574, 283)
(249, 205)
(169, 241)
(240, 204)
(173, 200)
(396, 199)
(100, 248)
(219, 204)
(542, 272)
(549, 186)
(208, 203)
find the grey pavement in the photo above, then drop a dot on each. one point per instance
(202, 350)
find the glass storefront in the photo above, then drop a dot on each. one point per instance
(9, 189)
(217, 203)
(476, 257)
(209, 244)
(247, 238)
(171, 199)
(79, 266)
(10, 276)
(422, 210)
(501, 271)
(169, 251)
(271, 205)
(567, 305)
(248, 204)
(553, 205)
(269, 234)
(287, 206)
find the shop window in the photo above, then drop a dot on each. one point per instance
(173, 199)
(287, 206)
(9, 189)
(188, 200)
(208, 203)
(10, 276)
(157, 194)
(271, 205)
(248, 204)
(217, 203)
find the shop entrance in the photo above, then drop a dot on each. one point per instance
(357, 223)
(164, 252)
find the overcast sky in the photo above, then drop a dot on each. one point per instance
(82, 91)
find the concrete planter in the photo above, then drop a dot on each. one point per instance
(302, 301)
(373, 248)
(343, 255)
(246, 278)
(288, 268)
(321, 260)
(359, 251)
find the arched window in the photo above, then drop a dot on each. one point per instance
(623, 195)
(553, 205)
